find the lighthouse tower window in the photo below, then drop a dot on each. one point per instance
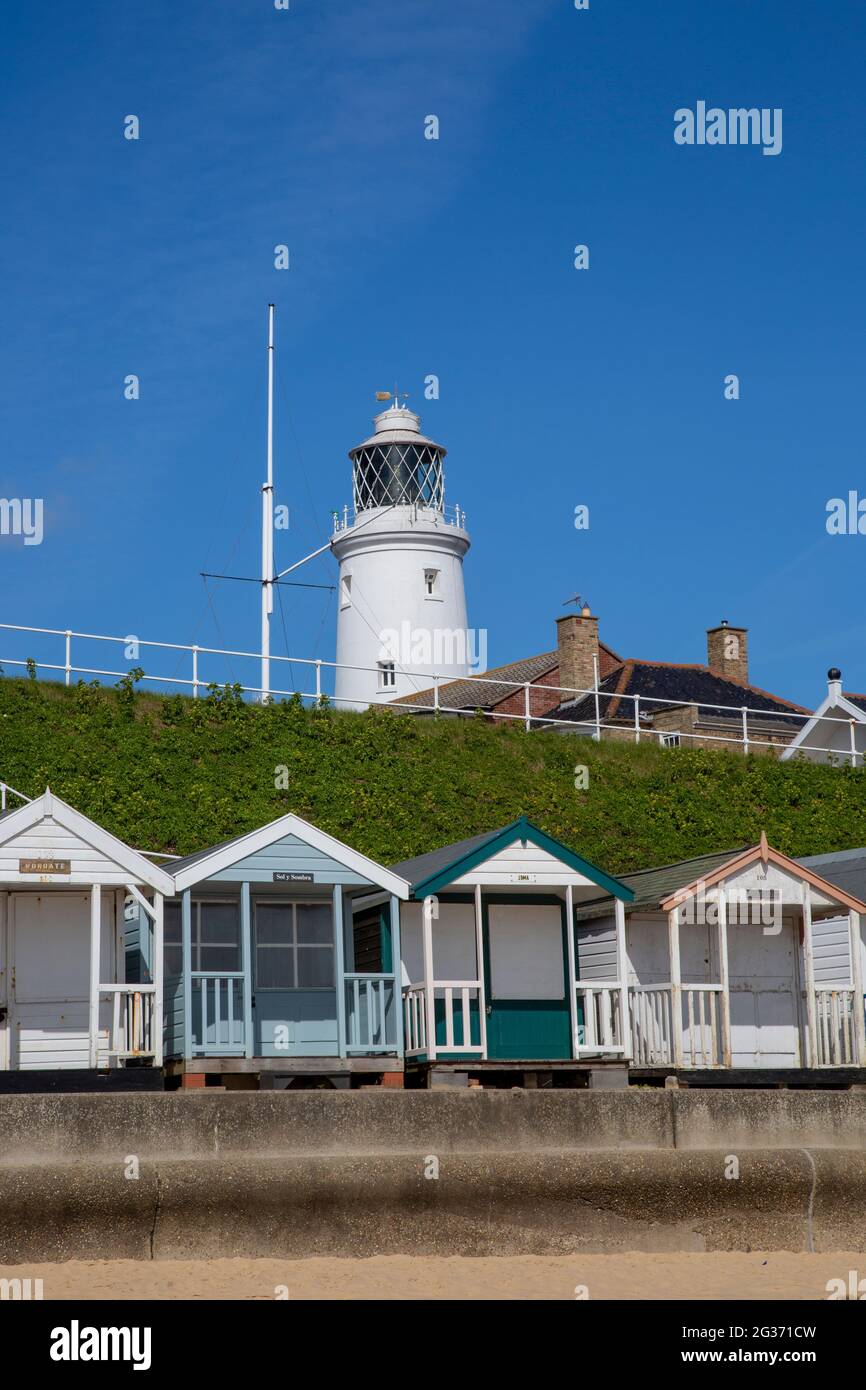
(431, 583)
(346, 591)
(387, 675)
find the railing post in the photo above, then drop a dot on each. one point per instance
(676, 987)
(622, 964)
(811, 1020)
(745, 729)
(637, 719)
(572, 970)
(397, 969)
(68, 656)
(853, 736)
(340, 967)
(724, 977)
(436, 694)
(195, 673)
(186, 947)
(247, 963)
(429, 977)
(2, 796)
(526, 708)
(318, 682)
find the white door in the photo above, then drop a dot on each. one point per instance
(765, 1021)
(49, 1000)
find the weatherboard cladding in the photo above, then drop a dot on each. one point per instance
(455, 862)
(288, 855)
(688, 685)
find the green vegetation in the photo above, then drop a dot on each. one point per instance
(173, 774)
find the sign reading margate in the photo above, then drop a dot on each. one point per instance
(294, 878)
(44, 866)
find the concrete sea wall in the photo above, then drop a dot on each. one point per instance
(474, 1173)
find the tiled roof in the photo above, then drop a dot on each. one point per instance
(858, 700)
(684, 684)
(479, 693)
(652, 886)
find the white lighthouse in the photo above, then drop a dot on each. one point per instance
(402, 606)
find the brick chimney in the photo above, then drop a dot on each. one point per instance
(577, 644)
(728, 651)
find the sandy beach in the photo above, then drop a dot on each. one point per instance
(723, 1275)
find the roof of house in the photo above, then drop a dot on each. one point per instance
(428, 873)
(481, 693)
(652, 886)
(845, 868)
(677, 684)
(858, 700)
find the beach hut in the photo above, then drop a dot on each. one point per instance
(742, 966)
(490, 989)
(67, 1011)
(261, 984)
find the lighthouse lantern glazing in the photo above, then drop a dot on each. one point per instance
(402, 604)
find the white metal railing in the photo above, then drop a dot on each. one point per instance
(345, 520)
(131, 1031)
(745, 726)
(602, 1029)
(834, 1027)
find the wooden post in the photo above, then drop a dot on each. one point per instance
(429, 977)
(623, 972)
(811, 1021)
(724, 977)
(676, 986)
(397, 967)
(479, 958)
(95, 938)
(857, 984)
(247, 967)
(156, 972)
(340, 969)
(186, 941)
(572, 970)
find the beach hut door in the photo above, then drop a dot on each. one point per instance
(526, 969)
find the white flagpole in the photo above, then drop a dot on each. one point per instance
(268, 525)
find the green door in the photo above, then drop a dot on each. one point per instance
(525, 978)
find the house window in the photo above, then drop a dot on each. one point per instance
(431, 583)
(387, 675)
(294, 946)
(215, 932)
(346, 591)
(670, 740)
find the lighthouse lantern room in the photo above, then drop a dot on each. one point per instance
(402, 606)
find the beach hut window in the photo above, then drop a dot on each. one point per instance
(215, 935)
(294, 946)
(172, 928)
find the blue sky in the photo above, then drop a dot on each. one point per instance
(453, 257)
